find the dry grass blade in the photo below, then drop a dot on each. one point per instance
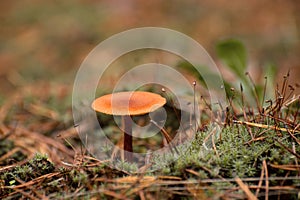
(246, 189)
(40, 110)
(260, 181)
(9, 154)
(114, 194)
(290, 188)
(214, 146)
(192, 172)
(286, 167)
(211, 135)
(34, 181)
(134, 179)
(142, 195)
(197, 191)
(69, 133)
(166, 136)
(25, 194)
(4, 109)
(169, 178)
(288, 149)
(32, 142)
(138, 186)
(256, 139)
(267, 178)
(265, 126)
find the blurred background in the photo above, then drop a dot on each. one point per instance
(48, 40)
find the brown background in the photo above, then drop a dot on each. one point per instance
(48, 40)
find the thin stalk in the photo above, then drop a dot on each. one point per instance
(128, 151)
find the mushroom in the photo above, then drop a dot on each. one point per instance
(128, 104)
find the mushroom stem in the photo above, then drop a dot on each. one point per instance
(127, 138)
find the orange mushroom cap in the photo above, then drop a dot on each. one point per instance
(128, 103)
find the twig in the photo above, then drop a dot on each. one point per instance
(214, 145)
(267, 179)
(296, 160)
(245, 188)
(260, 181)
(166, 136)
(9, 154)
(288, 149)
(26, 184)
(25, 194)
(264, 126)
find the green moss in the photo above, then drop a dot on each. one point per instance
(126, 166)
(34, 168)
(237, 156)
(78, 177)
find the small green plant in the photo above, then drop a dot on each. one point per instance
(233, 53)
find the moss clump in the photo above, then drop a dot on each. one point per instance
(231, 154)
(36, 167)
